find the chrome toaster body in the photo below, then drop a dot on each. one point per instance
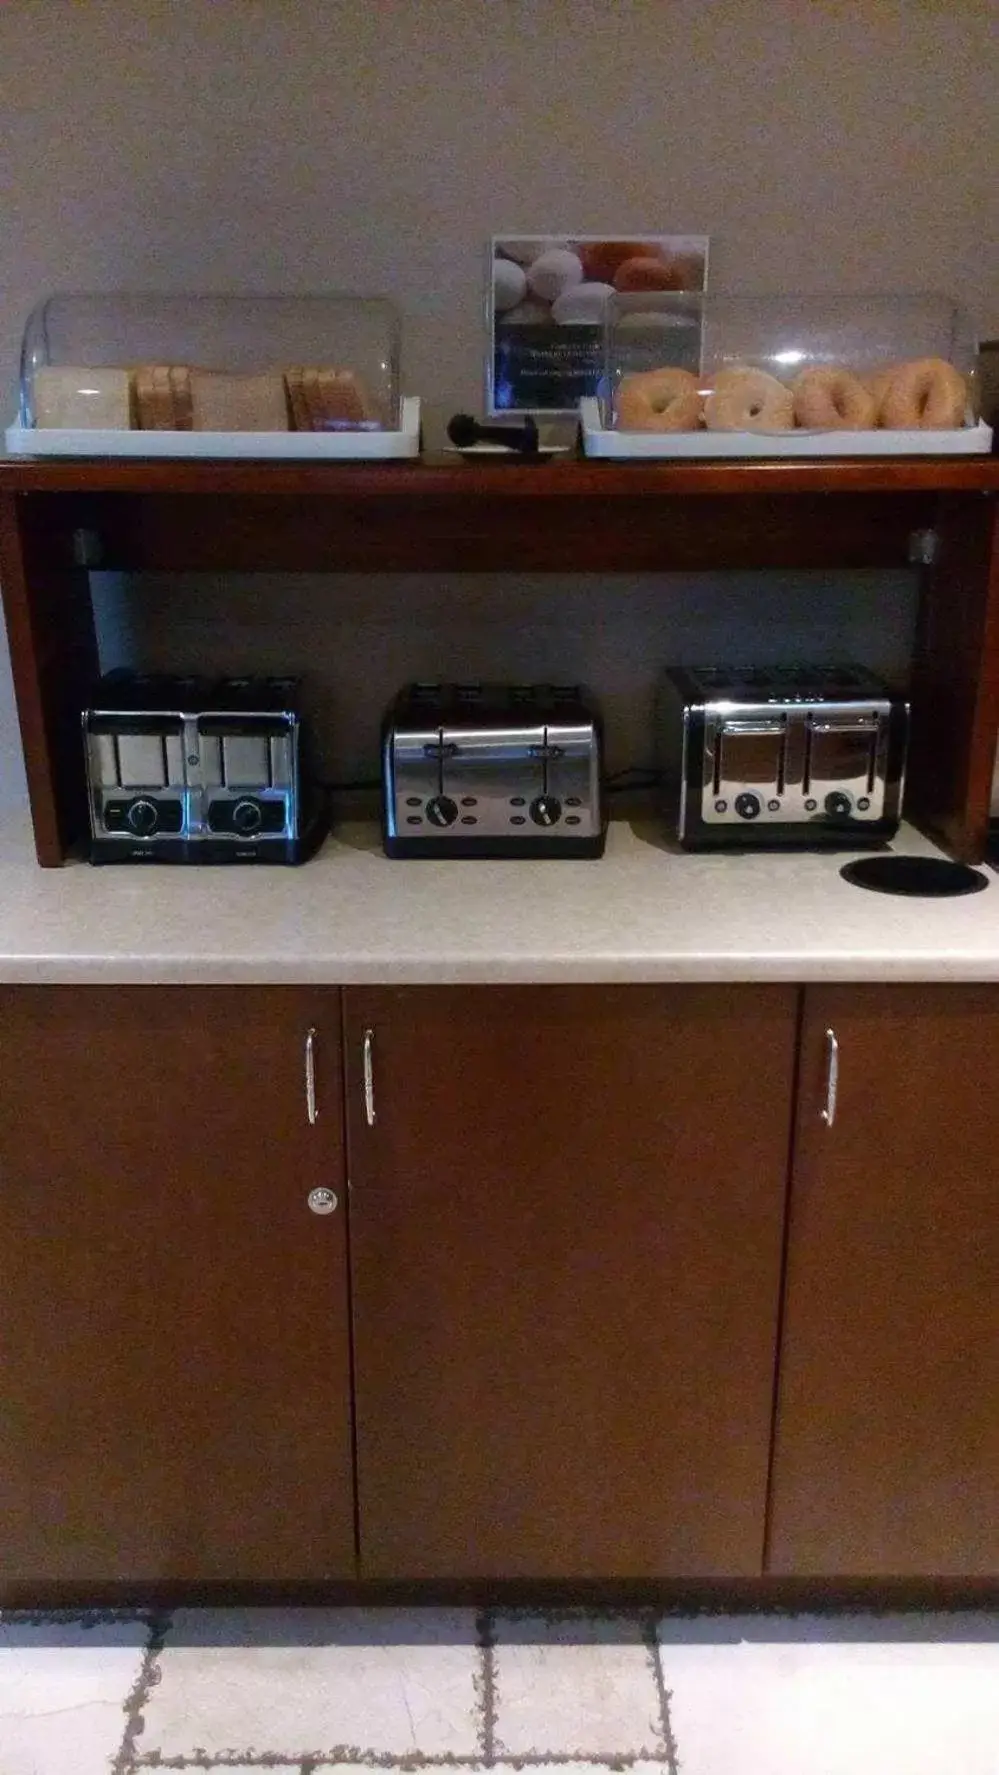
(781, 755)
(492, 770)
(185, 770)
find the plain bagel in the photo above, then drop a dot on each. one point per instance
(748, 400)
(831, 399)
(659, 400)
(928, 395)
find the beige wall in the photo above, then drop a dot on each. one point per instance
(303, 144)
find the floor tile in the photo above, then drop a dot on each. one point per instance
(333, 1682)
(578, 1686)
(63, 1690)
(848, 1702)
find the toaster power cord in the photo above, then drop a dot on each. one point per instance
(633, 777)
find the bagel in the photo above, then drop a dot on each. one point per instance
(748, 400)
(659, 400)
(831, 399)
(927, 395)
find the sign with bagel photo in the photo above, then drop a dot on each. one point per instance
(546, 299)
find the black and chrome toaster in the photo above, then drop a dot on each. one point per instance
(778, 755)
(191, 770)
(492, 770)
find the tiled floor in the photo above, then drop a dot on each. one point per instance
(311, 1691)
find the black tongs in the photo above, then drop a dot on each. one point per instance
(465, 432)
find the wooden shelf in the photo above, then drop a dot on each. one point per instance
(59, 518)
(447, 477)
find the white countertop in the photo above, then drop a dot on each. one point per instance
(645, 912)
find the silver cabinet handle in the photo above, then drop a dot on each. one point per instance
(311, 1107)
(369, 1077)
(832, 1077)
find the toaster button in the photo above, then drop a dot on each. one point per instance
(518, 820)
(469, 801)
(441, 811)
(546, 810)
(518, 801)
(573, 801)
(143, 818)
(864, 803)
(748, 806)
(573, 820)
(414, 801)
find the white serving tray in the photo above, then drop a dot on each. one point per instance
(342, 446)
(972, 440)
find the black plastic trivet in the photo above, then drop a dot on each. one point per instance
(933, 877)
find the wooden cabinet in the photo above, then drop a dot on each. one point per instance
(173, 1320)
(887, 1446)
(566, 1222)
(567, 1218)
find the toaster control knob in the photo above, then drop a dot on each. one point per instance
(748, 806)
(247, 817)
(442, 811)
(545, 810)
(143, 818)
(837, 805)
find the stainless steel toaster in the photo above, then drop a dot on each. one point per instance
(492, 770)
(186, 770)
(780, 755)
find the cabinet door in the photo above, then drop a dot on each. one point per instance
(173, 1324)
(887, 1449)
(566, 1222)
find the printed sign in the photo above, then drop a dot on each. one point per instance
(546, 301)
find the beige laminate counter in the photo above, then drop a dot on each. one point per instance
(644, 913)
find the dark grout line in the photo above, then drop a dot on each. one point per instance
(485, 1634)
(414, 1763)
(650, 1633)
(126, 1761)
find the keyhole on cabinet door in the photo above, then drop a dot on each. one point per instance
(322, 1201)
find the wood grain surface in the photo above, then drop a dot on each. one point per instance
(566, 1230)
(887, 1446)
(173, 1319)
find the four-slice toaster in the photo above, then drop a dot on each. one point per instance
(780, 755)
(492, 770)
(189, 770)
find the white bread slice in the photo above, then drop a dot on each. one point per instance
(238, 403)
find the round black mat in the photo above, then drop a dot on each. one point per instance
(932, 877)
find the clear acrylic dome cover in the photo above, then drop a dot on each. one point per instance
(319, 363)
(782, 335)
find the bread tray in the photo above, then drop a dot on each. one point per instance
(343, 446)
(973, 439)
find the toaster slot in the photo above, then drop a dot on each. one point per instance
(104, 760)
(245, 760)
(751, 754)
(142, 760)
(841, 761)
